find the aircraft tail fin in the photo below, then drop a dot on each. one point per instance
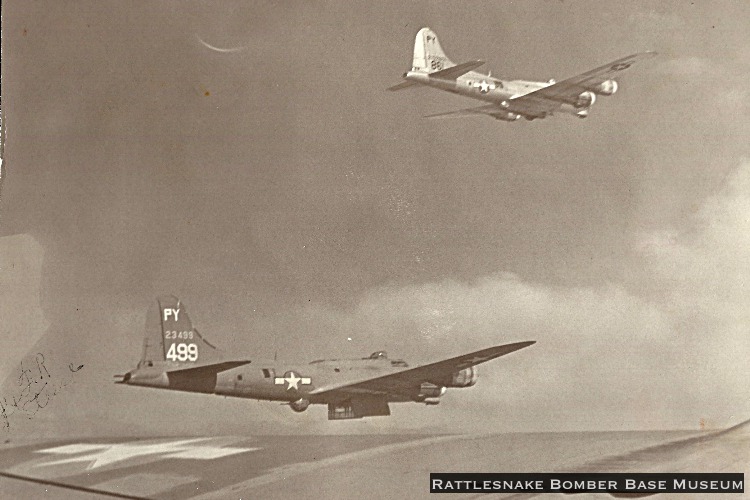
(428, 54)
(170, 336)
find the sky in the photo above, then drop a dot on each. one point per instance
(300, 210)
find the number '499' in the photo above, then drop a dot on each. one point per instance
(182, 352)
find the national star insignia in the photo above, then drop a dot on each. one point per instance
(484, 86)
(293, 380)
(100, 455)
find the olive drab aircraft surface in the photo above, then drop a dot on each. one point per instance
(175, 356)
(510, 100)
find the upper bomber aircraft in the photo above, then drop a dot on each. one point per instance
(509, 100)
(175, 356)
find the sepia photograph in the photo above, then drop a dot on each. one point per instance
(374, 249)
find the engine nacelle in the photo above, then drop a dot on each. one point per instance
(300, 405)
(607, 87)
(428, 390)
(464, 378)
(507, 116)
(585, 100)
(581, 101)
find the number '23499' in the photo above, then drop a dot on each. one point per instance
(174, 334)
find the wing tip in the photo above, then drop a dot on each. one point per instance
(517, 346)
(513, 346)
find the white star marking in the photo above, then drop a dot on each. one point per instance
(484, 86)
(293, 380)
(100, 455)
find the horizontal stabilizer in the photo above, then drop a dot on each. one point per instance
(455, 71)
(209, 369)
(401, 86)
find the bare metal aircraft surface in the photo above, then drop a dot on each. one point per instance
(177, 357)
(509, 100)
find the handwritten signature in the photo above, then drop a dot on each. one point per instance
(37, 388)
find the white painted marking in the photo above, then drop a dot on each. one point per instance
(100, 455)
(293, 380)
(484, 86)
(182, 352)
(171, 312)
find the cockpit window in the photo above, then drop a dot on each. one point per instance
(379, 355)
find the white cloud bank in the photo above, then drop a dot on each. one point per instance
(668, 348)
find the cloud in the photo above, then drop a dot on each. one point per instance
(663, 349)
(666, 347)
(703, 279)
(687, 72)
(652, 19)
(595, 347)
(690, 66)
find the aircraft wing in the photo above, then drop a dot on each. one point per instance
(488, 109)
(718, 451)
(547, 99)
(406, 380)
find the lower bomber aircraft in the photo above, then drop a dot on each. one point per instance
(175, 356)
(509, 100)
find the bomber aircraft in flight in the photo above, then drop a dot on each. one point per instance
(175, 356)
(509, 100)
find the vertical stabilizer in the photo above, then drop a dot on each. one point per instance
(170, 336)
(428, 54)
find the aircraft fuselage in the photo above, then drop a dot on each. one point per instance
(270, 380)
(487, 88)
(177, 357)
